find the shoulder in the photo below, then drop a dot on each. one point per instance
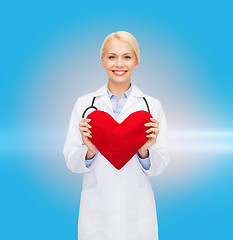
(84, 99)
(154, 103)
(87, 98)
(155, 106)
(81, 104)
(152, 100)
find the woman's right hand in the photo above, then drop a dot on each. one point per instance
(86, 133)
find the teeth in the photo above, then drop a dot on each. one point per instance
(119, 72)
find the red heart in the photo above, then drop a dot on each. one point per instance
(118, 142)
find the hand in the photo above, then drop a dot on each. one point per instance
(154, 131)
(86, 134)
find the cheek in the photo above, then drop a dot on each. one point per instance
(109, 64)
(131, 66)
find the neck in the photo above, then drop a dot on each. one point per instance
(118, 88)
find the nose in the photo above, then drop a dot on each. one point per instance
(119, 62)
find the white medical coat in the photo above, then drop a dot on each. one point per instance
(116, 204)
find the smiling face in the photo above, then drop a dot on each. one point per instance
(119, 60)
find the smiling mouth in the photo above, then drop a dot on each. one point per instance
(119, 72)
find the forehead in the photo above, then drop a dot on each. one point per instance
(118, 47)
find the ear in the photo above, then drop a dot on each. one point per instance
(136, 64)
(102, 62)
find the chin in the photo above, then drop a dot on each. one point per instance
(119, 81)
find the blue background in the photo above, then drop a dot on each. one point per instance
(50, 57)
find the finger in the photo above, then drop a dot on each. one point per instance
(84, 124)
(152, 124)
(84, 129)
(87, 134)
(156, 132)
(152, 130)
(154, 120)
(152, 135)
(86, 119)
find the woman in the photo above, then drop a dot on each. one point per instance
(117, 204)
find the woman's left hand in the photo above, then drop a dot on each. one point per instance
(153, 133)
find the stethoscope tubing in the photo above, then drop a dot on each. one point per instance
(92, 106)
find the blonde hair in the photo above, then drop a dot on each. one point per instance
(123, 36)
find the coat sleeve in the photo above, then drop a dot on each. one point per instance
(74, 149)
(158, 152)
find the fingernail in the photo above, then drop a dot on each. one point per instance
(89, 126)
(147, 130)
(151, 118)
(88, 119)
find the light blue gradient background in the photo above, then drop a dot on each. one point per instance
(50, 57)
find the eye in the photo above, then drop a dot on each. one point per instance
(128, 57)
(111, 57)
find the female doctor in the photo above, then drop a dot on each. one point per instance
(117, 204)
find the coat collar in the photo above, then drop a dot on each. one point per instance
(124, 95)
(102, 91)
(135, 91)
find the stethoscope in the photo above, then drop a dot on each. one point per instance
(92, 106)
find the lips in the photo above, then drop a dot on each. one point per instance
(119, 72)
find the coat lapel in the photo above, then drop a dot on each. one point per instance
(102, 91)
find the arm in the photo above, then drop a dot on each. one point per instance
(158, 152)
(74, 149)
